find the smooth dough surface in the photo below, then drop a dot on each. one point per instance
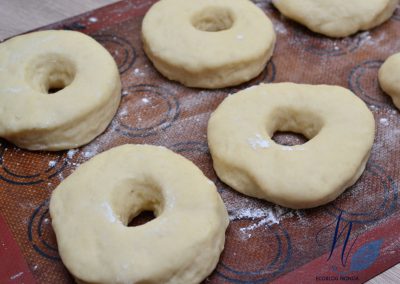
(90, 211)
(208, 44)
(339, 126)
(389, 78)
(337, 18)
(31, 64)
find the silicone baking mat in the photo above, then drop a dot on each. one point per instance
(349, 240)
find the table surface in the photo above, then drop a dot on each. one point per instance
(18, 16)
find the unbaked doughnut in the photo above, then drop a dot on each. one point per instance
(31, 65)
(339, 126)
(337, 18)
(90, 211)
(389, 78)
(208, 44)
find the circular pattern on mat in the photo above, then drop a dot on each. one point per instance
(190, 146)
(363, 81)
(145, 110)
(376, 194)
(324, 46)
(14, 167)
(40, 233)
(121, 49)
(75, 26)
(270, 245)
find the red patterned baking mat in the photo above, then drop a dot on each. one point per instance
(349, 240)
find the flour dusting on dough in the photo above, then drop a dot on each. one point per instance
(239, 37)
(109, 213)
(258, 142)
(14, 90)
(289, 148)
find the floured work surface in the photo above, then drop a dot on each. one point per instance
(264, 242)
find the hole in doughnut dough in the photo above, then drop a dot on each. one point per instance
(291, 127)
(142, 218)
(287, 138)
(53, 90)
(213, 19)
(137, 202)
(50, 73)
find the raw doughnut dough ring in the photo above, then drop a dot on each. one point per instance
(389, 78)
(90, 211)
(337, 18)
(339, 125)
(208, 44)
(31, 65)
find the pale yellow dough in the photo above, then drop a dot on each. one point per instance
(32, 64)
(208, 43)
(337, 18)
(339, 125)
(90, 211)
(389, 78)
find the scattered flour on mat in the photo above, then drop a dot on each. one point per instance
(123, 112)
(264, 214)
(373, 107)
(71, 153)
(138, 72)
(91, 150)
(101, 142)
(384, 121)
(270, 215)
(335, 46)
(280, 28)
(365, 37)
(52, 163)
(259, 214)
(15, 276)
(375, 39)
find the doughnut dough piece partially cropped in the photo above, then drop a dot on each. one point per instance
(90, 211)
(389, 78)
(338, 124)
(337, 18)
(34, 65)
(208, 44)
